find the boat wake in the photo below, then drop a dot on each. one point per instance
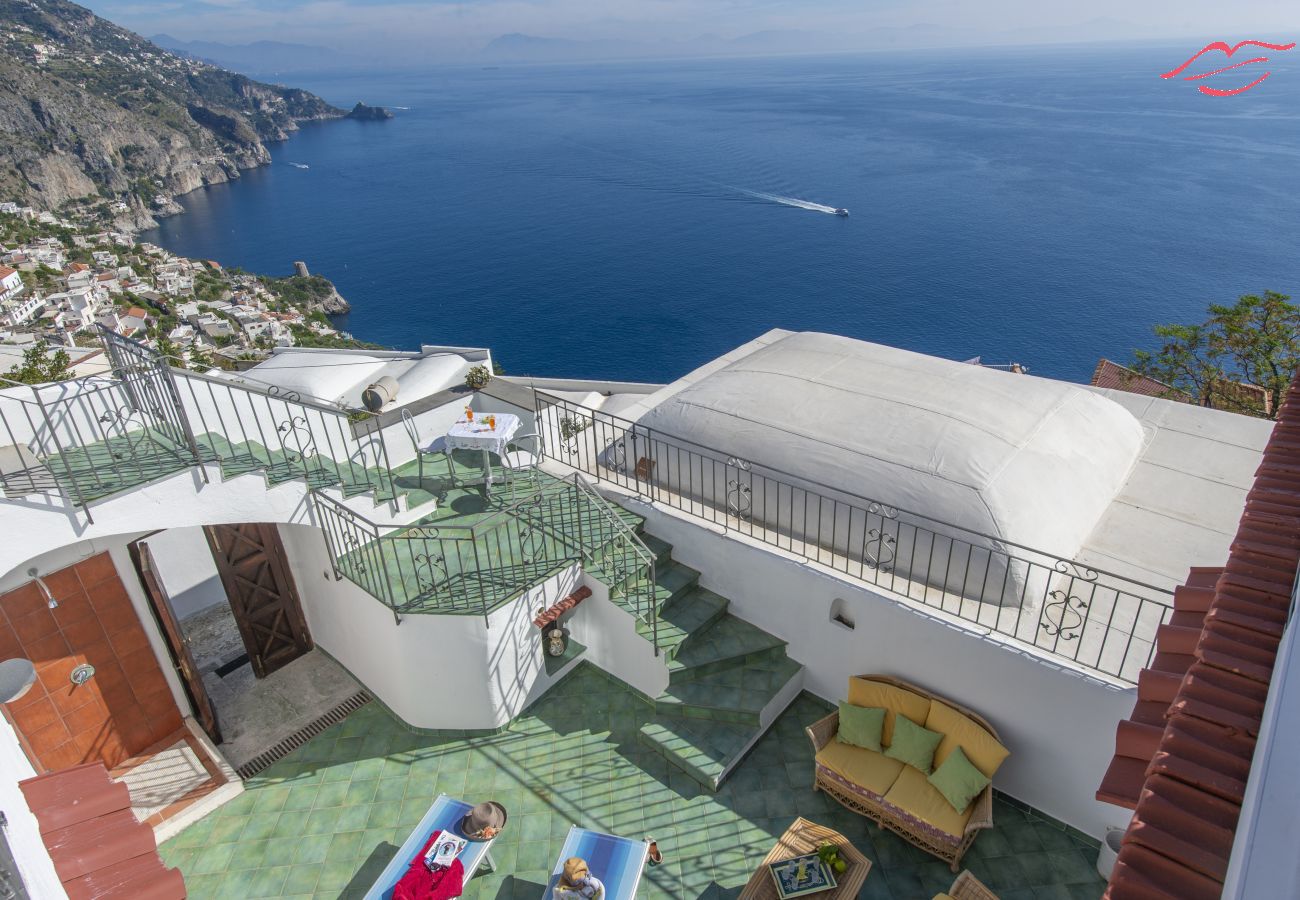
(300, 165)
(795, 202)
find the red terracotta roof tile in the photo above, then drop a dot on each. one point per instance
(1121, 378)
(98, 847)
(1187, 805)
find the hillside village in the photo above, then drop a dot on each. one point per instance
(60, 282)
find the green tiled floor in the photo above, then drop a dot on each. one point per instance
(324, 821)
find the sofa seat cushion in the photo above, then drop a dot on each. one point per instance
(873, 773)
(984, 751)
(894, 700)
(920, 803)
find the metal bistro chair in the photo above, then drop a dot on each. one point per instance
(437, 448)
(517, 459)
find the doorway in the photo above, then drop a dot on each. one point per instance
(229, 607)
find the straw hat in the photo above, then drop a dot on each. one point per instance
(478, 820)
(575, 869)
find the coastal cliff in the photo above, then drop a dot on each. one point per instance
(96, 116)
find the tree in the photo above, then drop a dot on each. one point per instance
(39, 367)
(1241, 359)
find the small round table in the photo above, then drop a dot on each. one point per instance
(805, 837)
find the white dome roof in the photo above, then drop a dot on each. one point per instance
(1024, 459)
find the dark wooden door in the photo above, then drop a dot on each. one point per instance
(180, 646)
(251, 561)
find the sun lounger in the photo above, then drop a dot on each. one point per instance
(616, 861)
(444, 815)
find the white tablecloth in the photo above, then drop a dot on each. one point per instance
(477, 436)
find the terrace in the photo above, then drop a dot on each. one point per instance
(324, 821)
(729, 578)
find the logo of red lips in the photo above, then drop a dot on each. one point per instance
(1227, 51)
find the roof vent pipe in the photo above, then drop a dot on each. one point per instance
(380, 394)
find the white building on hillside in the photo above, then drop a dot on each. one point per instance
(11, 284)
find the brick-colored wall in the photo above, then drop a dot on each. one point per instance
(124, 708)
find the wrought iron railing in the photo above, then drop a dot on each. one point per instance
(445, 567)
(92, 437)
(1099, 620)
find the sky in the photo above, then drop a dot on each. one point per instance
(446, 30)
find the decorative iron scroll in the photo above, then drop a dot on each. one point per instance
(350, 545)
(296, 429)
(616, 456)
(883, 510)
(428, 566)
(882, 560)
(740, 501)
(1075, 570)
(1061, 617)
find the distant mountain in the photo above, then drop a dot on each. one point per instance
(90, 111)
(258, 58)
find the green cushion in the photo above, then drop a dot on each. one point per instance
(913, 744)
(861, 725)
(958, 780)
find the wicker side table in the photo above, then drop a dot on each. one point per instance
(805, 837)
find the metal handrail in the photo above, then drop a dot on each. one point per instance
(1100, 620)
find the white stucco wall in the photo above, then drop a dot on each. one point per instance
(187, 571)
(491, 671)
(23, 832)
(1058, 724)
(609, 632)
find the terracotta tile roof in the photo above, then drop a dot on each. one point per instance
(98, 847)
(1121, 378)
(1183, 758)
(5, 271)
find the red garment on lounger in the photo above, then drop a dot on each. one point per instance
(420, 884)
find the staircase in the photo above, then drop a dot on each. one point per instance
(727, 680)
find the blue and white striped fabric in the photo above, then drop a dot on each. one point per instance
(445, 815)
(616, 861)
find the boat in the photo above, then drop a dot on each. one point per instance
(842, 213)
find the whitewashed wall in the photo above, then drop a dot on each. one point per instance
(1058, 723)
(23, 832)
(187, 571)
(609, 632)
(490, 671)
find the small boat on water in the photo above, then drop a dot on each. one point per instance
(300, 165)
(842, 213)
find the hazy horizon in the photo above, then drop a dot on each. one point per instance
(396, 33)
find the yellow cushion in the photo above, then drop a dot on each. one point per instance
(913, 794)
(980, 747)
(865, 768)
(894, 700)
(942, 897)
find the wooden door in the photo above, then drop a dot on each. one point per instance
(180, 645)
(255, 572)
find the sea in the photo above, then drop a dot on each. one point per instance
(633, 220)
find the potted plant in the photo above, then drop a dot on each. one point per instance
(478, 377)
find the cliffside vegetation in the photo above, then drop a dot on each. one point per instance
(92, 114)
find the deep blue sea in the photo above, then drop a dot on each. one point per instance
(1045, 206)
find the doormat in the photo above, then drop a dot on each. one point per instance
(267, 758)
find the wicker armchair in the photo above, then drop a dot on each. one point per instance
(968, 887)
(823, 732)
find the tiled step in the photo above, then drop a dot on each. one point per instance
(702, 749)
(691, 612)
(737, 694)
(662, 550)
(726, 642)
(671, 581)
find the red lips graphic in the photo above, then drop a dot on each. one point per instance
(1227, 51)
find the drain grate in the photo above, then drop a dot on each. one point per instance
(267, 758)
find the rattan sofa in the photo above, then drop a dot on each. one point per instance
(860, 779)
